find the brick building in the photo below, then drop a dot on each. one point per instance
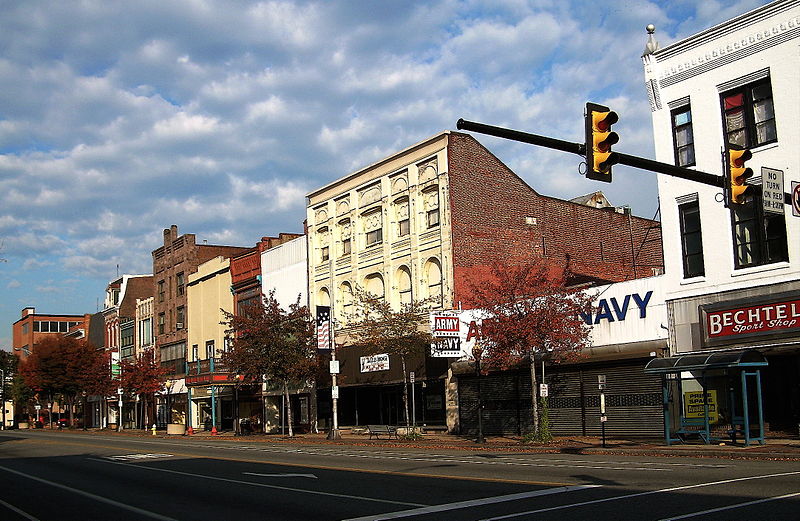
(173, 262)
(32, 327)
(421, 223)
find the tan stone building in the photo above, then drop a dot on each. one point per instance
(423, 221)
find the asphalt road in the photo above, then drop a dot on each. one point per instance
(65, 475)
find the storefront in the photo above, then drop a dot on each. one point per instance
(763, 318)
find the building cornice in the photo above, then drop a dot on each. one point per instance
(725, 28)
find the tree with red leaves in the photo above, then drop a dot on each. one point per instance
(142, 376)
(270, 343)
(64, 366)
(530, 312)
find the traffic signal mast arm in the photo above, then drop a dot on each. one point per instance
(580, 149)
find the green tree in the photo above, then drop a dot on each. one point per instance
(270, 343)
(380, 328)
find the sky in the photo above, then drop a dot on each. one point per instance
(119, 119)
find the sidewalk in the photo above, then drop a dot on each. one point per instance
(774, 449)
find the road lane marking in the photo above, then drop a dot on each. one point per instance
(135, 457)
(731, 507)
(332, 467)
(18, 511)
(263, 485)
(470, 503)
(89, 495)
(639, 494)
(312, 476)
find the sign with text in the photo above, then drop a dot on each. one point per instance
(772, 190)
(796, 198)
(445, 324)
(370, 364)
(694, 405)
(731, 323)
(446, 348)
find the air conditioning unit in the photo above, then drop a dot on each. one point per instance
(179, 325)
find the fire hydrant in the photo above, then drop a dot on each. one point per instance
(154, 429)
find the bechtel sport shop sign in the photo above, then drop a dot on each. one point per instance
(732, 323)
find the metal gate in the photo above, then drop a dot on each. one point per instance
(633, 401)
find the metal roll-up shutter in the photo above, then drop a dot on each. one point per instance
(633, 400)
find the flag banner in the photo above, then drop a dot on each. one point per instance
(323, 327)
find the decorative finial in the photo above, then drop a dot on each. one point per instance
(652, 44)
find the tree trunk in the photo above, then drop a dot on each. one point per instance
(237, 428)
(145, 411)
(288, 406)
(405, 390)
(534, 396)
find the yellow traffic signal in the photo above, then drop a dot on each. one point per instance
(737, 173)
(599, 139)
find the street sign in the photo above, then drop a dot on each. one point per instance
(796, 198)
(37, 406)
(601, 381)
(335, 392)
(544, 390)
(411, 376)
(334, 367)
(772, 190)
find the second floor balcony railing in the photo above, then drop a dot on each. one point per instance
(207, 366)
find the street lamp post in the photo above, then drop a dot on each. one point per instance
(477, 352)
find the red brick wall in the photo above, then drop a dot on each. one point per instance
(489, 205)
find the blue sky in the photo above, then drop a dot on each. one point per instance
(118, 119)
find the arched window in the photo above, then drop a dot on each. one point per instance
(345, 299)
(324, 297)
(433, 281)
(374, 285)
(405, 296)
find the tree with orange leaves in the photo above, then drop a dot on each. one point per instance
(530, 312)
(142, 376)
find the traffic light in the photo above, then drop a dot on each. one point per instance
(737, 173)
(599, 139)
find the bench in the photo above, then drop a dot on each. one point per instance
(377, 430)
(693, 427)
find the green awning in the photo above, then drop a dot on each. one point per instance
(705, 361)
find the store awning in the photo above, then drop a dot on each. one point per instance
(706, 361)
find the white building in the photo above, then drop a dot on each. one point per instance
(733, 274)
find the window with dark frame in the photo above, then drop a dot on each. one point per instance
(180, 320)
(161, 291)
(683, 136)
(325, 253)
(179, 282)
(161, 323)
(433, 218)
(749, 115)
(758, 237)
(691, 240)
(346, 246)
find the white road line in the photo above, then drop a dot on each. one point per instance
(731, 507)
(471, 503)
(263, 485)
(18, 511)
(89, 495)
(639, 494)
(312, 476)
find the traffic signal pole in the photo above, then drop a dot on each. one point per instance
(580, 149)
